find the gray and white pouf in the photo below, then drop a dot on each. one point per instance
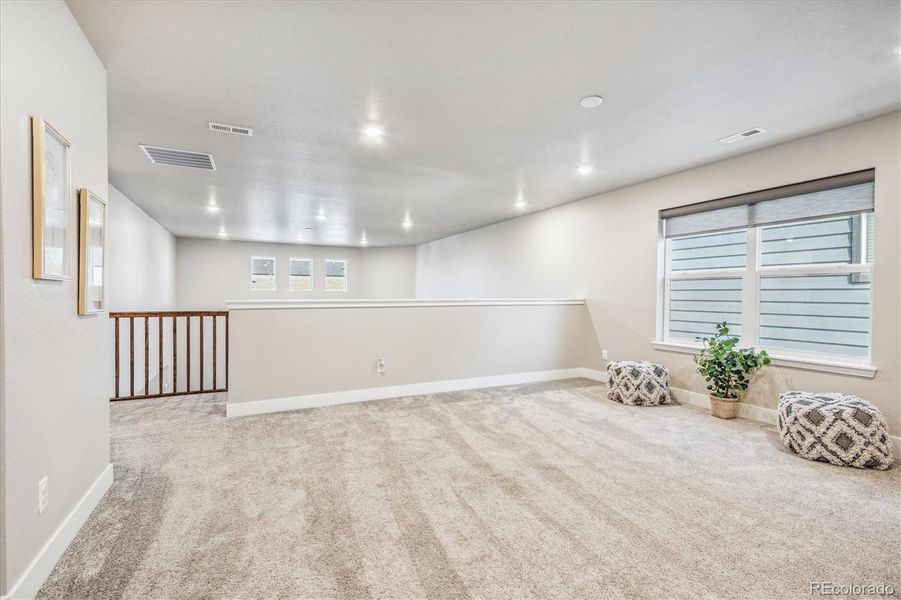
(835, 428)
(638, 383)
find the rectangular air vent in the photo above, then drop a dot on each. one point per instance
(235, 129)
(742, 136)
(179, 158)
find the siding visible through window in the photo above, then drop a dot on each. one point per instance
(697, 305)
(836, 240)
(713, 251)
(816, 313)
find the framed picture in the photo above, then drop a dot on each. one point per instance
(52, 177)
(91, 253)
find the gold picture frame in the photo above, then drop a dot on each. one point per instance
(51, 201)
(91, 253)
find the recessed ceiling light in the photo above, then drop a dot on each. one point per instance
(212, 208)
(373, 130)
(407, 224)
(584, 169)
(321, 216)
(363, 241)
(591, 101)
(222, 233)
(520, 204)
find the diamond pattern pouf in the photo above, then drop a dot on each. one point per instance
(835, 428)
(638, 383)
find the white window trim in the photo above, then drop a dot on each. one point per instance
(312, 275)
(325, 274)
(794, 361)
(751, 275)
(274, 273)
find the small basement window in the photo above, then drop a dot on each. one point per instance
(262, 274)
(336, 275)
(300, 274)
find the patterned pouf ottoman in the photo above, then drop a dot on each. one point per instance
(638, 383)
(835, 428)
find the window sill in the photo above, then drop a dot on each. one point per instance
(808, 364)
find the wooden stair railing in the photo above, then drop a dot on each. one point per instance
(169, 347)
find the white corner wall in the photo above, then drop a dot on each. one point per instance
(141, 261)
(388, 272)
(56, 368)
(605, 249)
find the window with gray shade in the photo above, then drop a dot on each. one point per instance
(300, 274)
(335, 275)
(262, 273)
(793, 275)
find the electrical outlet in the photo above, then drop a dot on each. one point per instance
(604, 354)
(380, 365)
(43, 494)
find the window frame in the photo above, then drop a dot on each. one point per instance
(312, 275)
(274, 273)
(751, 275)
(325, 274)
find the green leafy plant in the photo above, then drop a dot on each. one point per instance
(728, 369)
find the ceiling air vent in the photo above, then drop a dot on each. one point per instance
(735, 137)
(223, 128)
(178, 158)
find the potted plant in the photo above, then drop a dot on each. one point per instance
(727, 370)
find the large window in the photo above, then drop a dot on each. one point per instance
(262, 274)
(300, 274)
(788, 269)
(336, 275)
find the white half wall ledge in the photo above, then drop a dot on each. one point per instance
(41, 565)
(258, 407)
(397, 303)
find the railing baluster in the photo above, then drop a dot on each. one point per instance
(131, 355)
(159, 343)
(201, 352)
(146, 355)
(226, 350)
(174, 355)
(188, 357)
(215, 353)
(117, 357)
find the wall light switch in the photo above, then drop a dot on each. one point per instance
(604, 354)
(43, 494)
(380, 365)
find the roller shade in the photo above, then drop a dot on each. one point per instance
(851, 193)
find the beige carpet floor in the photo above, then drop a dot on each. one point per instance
(534, 491)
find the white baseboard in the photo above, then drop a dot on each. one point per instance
(40, 567)
(258, 407)
(761, 414)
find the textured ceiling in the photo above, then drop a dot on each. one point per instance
(479, 101)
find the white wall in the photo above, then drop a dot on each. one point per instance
(55, 364)
(388, 272)
(140, 277)
(605, 249)
(209, 272)
(141, 259)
